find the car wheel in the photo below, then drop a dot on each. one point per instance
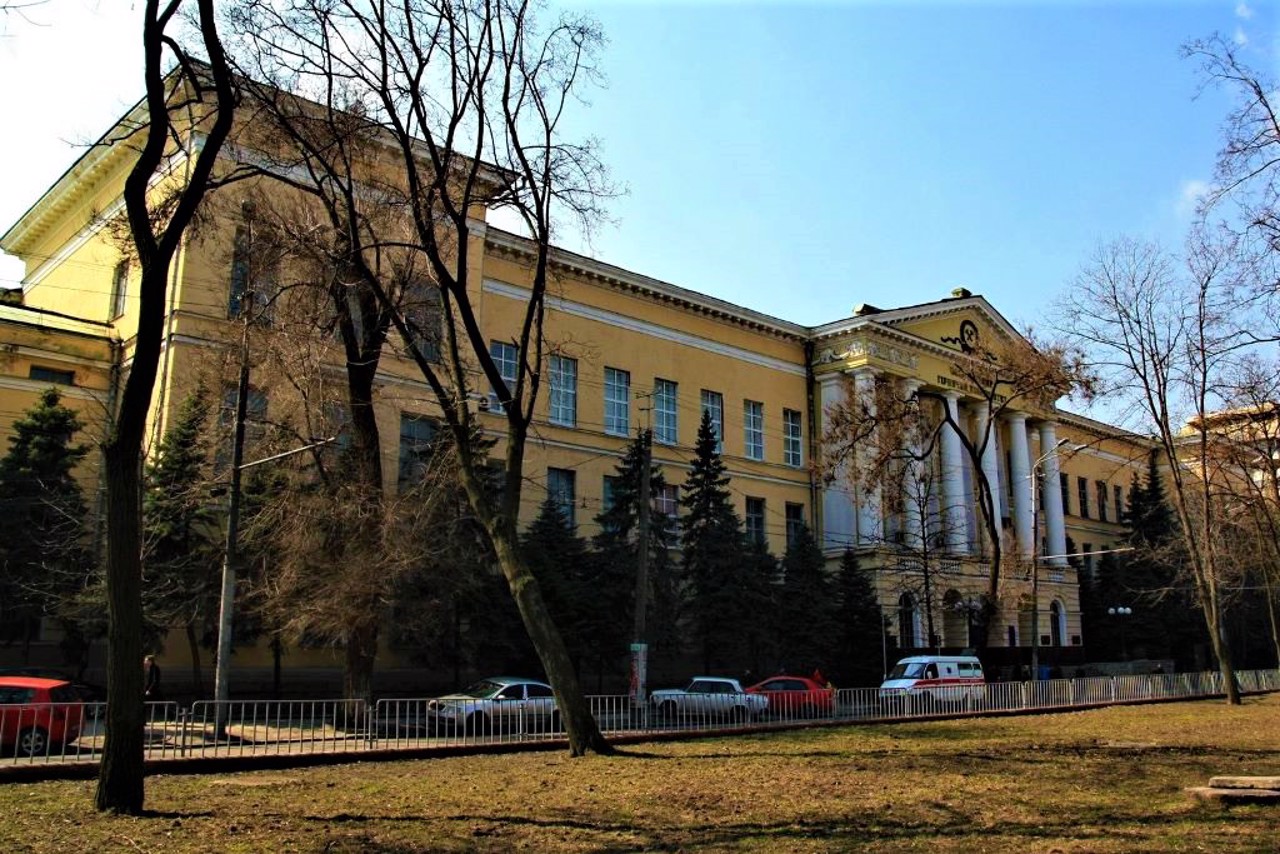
(477, 724)
(33, 742)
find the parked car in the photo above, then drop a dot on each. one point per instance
(796, 696)
(498, 705)
(709, 695)
(36, 715)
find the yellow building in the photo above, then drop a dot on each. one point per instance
(630, 352)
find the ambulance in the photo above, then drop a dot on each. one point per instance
(935, 679)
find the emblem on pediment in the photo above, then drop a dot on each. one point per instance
(967, 339)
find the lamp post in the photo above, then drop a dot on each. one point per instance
(1121, 612)
(1035, 477)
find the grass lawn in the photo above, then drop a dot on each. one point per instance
(1107, 780)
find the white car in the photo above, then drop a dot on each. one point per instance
(497, 706)
(707, 696)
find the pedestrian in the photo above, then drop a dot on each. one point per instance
(150, 678)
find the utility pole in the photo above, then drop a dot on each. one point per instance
(231, 557)
(639, 648)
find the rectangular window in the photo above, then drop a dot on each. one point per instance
(564, 391)
(1101, 487)
(755, 519)
(791, 437)
(753, 429)
(1119, 494)
(666, 502)
(560, 491)
(424, 315)
(255, 422)
(1082, 492)
(795, 522)
(713, 406)
(617, 402)
(119, 288)
(416, 435)
(666, 415)
(611, 486)
(506, 358)
(1065, 480)
(50, 375)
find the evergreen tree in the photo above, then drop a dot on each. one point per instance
(618, 551)
(713, 562)
(860, 634)
(806, 611)
(561, 563)
(758, 592)
(1165, 621)
(183, 557)
(44, 564)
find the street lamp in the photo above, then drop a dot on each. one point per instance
(1122, 611)
(1036, 477)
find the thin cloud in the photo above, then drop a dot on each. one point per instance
(1240, 37)
(1244, 11)
(1189, 196)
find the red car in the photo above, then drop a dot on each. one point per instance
(36, 714)
(796, 696)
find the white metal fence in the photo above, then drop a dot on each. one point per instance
(74, 732)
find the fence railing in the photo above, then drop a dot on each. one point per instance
(74, 732)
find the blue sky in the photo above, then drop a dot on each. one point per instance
(800, 159)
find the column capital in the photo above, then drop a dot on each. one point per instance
(1014, 416)
(863, 371)
(911, 385)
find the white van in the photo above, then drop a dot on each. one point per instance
(935, 678)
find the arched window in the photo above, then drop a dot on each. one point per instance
(908, 634)
(1057, 622)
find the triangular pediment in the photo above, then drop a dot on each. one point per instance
(963, 325)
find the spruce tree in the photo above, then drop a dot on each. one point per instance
(861, 635)
(618, 550)
(806, 611)
(183, 557)
(713, 561)
(44, 564)
(560, 561)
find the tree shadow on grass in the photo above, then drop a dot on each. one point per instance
(843, 832)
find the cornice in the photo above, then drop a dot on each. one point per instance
(635, 283)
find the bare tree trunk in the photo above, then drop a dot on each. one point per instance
(121, 774)
(583, 731)
(361, 650)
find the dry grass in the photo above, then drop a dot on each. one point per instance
(1105, 781)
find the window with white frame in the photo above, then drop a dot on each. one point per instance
(417, 432)
(753, 429)
(119, 288)
(506, 359)
(713, 406)
(666, 501)
(666, 415)
(617, 402)
(791, 448)
(560, 491)
(564, 391)
(754, 519)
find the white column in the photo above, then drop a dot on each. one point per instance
(954, 527)
(991, 459)
(870, 518)
(1021, 481)
(837, 499)
(916, 500)
(1054, 524)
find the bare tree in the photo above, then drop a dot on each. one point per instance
(1163, 333)
(879, 445)
(157, 223)
(404, 124)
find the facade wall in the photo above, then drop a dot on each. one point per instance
(605, 319)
